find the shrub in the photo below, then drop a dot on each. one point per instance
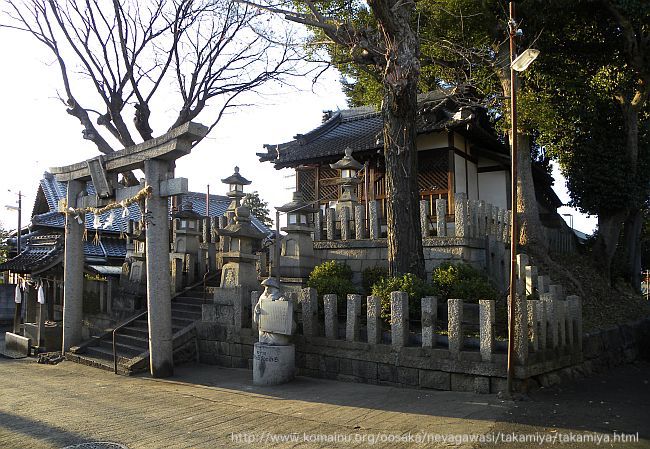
(332, 277)
(409, 283)
(370, 276)
(461, 281)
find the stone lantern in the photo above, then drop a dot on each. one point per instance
(348, 180)
(187, 240)
(239, 269)
(236, 183)
(297, 254)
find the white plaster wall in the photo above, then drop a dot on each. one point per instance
(460, 174)
(493, 188)
(432, 140)
(459, 142)
(472, 175)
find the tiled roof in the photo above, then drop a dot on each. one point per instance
(361, 129)
(92, 250)
(41, 251)
(218, 206)
(114, 247)
(55, 191)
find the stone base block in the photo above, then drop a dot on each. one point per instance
(17, 345)
(273, 365)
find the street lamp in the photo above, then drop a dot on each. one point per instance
(525, 59)
(517, 64)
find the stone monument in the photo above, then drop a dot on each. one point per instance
(274, 355)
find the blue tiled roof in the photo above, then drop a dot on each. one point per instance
(55, 191)
(218, 206)
(92, 250)
(114, 248)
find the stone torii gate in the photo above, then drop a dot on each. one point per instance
(156, 158)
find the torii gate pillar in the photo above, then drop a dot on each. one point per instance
(155, 157)
(73, 272)
(158, 279)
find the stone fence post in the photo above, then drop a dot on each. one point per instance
(486, 328)
(482, 218)
(533, 324)
(473, 219)
(309, 300)
(373, 222)
(353, 316)
(360, 222)
(531, 279)
(551, 318)
(331, 319)
(318, 225)
(399, 319)
(329, 219)
(460, 200)
(574, 305)
(495, 222)
(455, 326)
(424, 218)
(441, 217)
(344, 216)
(374, 320)
(429, 319)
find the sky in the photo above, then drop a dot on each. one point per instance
(38, 134)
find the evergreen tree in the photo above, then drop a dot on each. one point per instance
(4, 247)
(259, 208)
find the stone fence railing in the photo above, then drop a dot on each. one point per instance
(447, 346)
(472, 219)
(456, 352)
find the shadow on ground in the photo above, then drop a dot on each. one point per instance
(617, 400)
(32, 429)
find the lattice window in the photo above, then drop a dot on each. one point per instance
(432, 171)
(329, 191)
(307, 183)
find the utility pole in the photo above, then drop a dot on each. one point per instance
(19, 210)
(517, 64)
(18, 309)
(514, 236)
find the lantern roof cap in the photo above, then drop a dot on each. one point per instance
(236, 178)
(347, 162)
(298, 204)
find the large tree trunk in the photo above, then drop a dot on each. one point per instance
(633, 228)
(399, 111)
(531, 231)
(609, 230)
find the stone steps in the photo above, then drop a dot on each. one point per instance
(97, 361)
(132, 341)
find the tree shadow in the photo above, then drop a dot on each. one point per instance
(19, 425)
(614, 401)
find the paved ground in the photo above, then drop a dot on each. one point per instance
(617, 401)
(43, 406)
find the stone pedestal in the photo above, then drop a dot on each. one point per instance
(273, 365)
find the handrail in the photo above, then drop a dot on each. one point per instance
(129, 321)
(205, 288)
(132, 319)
